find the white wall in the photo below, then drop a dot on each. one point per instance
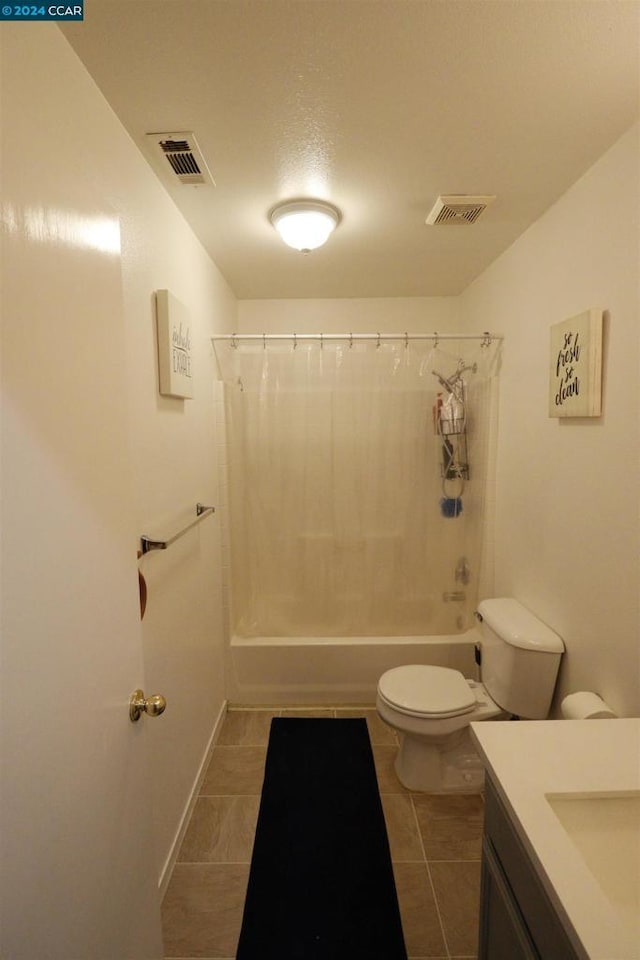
(393, 315)
(172, 442)
(567, 534)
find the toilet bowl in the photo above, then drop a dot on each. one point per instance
(432, 707)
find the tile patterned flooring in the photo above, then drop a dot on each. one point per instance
(435, 848)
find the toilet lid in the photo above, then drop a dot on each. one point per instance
(422, 691)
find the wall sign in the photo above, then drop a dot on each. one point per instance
(174, 346)
(575, 371)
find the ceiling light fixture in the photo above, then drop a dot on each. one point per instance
(305, 224)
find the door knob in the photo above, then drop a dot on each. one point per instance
(139, 704)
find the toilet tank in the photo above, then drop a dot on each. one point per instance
(520, 658)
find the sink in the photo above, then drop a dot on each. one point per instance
(605, 829)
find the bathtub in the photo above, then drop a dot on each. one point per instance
(315, 670)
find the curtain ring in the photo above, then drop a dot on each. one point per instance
(233, 341)
(350, 340)
(322, 341)
(486, 340)
(264, 341)
(406, 340)
(436, 340)
(378, 343)
(295, 340)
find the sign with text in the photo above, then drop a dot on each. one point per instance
(174, 346)
(575, 371)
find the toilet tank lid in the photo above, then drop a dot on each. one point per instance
(518, 626)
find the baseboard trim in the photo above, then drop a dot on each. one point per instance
(172, 857)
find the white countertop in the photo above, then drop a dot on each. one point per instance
(529, 760)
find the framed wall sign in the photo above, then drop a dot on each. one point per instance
(575, 369)
(174, 346)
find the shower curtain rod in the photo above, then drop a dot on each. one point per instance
(235, 338)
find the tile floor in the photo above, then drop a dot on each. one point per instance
(435, 847)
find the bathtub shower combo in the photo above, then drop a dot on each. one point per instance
(357, 470)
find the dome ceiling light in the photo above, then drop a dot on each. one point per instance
(305, 224)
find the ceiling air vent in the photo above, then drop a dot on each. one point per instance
(183, 156)
(458, 208)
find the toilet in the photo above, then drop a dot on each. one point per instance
(432, 707)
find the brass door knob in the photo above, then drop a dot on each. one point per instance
(139, 704)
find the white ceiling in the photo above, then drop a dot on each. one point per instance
(378, 106)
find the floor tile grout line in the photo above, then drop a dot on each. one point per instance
(227, 796)
(276, 710)
(455, 860)
(394, 860)
(214, 863)
(263, 743)
(433, 889)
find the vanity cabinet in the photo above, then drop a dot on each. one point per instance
(518, 921)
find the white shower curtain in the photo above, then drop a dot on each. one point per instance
(335, 486)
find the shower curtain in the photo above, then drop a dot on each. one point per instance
(337, 524)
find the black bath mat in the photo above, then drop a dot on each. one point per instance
(321, 884)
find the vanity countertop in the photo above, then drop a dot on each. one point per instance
(548, 773)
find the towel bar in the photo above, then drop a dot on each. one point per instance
(148, 543)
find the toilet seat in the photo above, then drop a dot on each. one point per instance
(424, 691)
